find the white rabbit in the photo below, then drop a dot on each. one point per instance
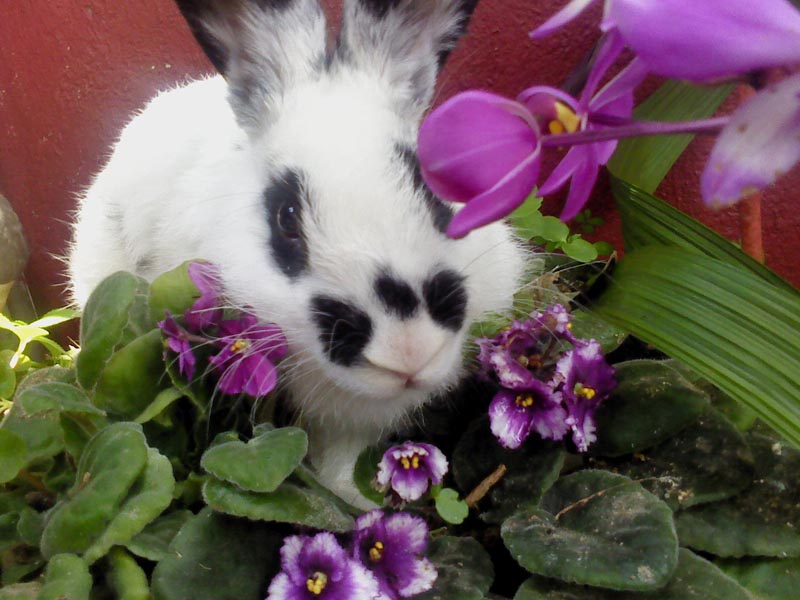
(295, 172)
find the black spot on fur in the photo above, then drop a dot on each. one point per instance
(441, 213)
(396, 295)
(446, 298)
(344, 330)
(284, 203)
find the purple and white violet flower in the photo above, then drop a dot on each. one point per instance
(392, 548)
(178, 341)
(409, 469)
(318, 568)
(206, 311)
(537, 407)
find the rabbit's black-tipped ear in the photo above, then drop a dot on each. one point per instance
(261, 47)
(405, 42)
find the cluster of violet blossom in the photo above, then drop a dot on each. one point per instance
(545, 389)
(485, 150)
(248, 349)
(407, 471)
(383, 562)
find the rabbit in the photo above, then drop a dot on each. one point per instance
(295, 172)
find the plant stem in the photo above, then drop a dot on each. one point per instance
(750, 228)
(484, 486)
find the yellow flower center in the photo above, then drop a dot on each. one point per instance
(410, 462)
(239, 345)
(585, 391)
(566, 120)
(316, 583)
(524, 401)
(376, 552)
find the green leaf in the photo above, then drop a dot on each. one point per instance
(21, 591)
(762, 520)
(767, 579)
(47, 375)
(526, 217)
(727, 324)
(109, 466)
(172, 291)
(30, 526)
(214, 557)
(364, 474)
(77, 430)
(153, 542)
(648, 221)
(705, 462)
(41, 433)
(587, 326)
(694, 579)
(596, 528)
(8, 379)
(645, 161)
(116, 314)
(580, 249)
(126, 578)
(67, 578)
(56, 397)
(651, 402)
(12, 455)
(464, 569)
(148, 498)
(450, 507)
(288, 504)
(531, 469)
(163, 400)
(132, 377)
(261, 464)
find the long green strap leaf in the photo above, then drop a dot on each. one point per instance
(728, 323)
(647, 220)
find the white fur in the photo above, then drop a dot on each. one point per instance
(185, 181)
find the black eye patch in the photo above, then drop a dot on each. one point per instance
(446, 298)
(396, 295)
(283, 199)
(344, 329)
(441, 213)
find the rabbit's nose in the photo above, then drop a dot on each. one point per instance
(408, 353)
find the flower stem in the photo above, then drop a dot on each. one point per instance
(634, 129)
(484, 486)
(750, 228)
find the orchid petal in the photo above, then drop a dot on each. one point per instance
(609, 50)
(564, 170)
(706, 41)
(761, 142)
(561, 18)
(579, 190)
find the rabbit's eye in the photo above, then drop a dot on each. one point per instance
(289, 220)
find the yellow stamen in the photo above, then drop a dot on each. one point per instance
(410, 463)
(524, 401)
(376, 552)
(316, 583)
(567, 118)
(585, 391)
(239, 345)
(556, 127)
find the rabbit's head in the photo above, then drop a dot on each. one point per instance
(348, 252)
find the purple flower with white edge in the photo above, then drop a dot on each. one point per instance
(759, 144)
(586, 380)
(178, 342)
(411, 468)
(392, 548)
(318, 568)
(514, 414)
(247, 358)
(206, 311)
(556, 320)
(481, 149)
(692, 40)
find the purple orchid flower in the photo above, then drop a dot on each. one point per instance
(759, 144)
(586, 380)
(206, 311)
(564, 114)
(482, 149)
(514, 414)
(318, 568)
(247, 358)
(693, 40)
(392, 547)
(411, 468)
(178, 342)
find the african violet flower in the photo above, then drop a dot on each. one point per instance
(703, 40)
(536, 407)
(206, 310)
(586, 380)
(178, 342)
(411, 468)
(482, 149)
(318, 568)
(392, 547)
(247, 358)
(760, 143)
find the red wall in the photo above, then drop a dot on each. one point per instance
(71, 73)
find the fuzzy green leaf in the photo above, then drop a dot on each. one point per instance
(767, 579)
(172, 291)
(125, 577)
(67, 578)
(464, 569)
(450, 507)
(154, 540)
(12, 455)
(56, 397)
(364, 474)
